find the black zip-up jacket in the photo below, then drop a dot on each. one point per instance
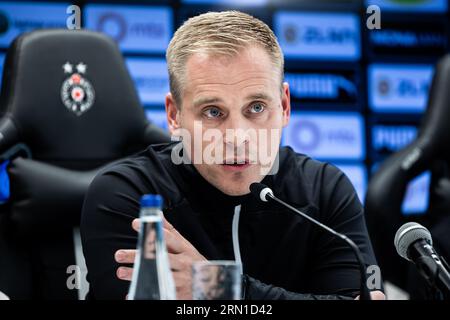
(284, 256)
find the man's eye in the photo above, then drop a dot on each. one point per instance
(212, 113)
(257, 108)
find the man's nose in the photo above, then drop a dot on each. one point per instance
(236, 131)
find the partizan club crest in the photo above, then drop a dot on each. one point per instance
(77, 93)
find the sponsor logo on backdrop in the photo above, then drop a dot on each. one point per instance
(410, 5)
(394, 38)
(307, 135)
(150, 78)
(391, 138)
(114, 24)
(321, 86)
(399, 88)
(117, 27)
(330, 36)
(135, 28)
(417, 195)
(77, 93)
(17, 18)
(326, 135)
(410, 39)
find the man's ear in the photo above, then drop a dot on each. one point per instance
(172, 113)
(286, 103)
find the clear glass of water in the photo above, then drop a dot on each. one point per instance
(216, 280)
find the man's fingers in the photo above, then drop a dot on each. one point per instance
(173, 238)
(375, 295)
(125, 256)
(174, 263)
(173, 242)
(167, 225)
(172, 230)
(136, 224)
(124, 273)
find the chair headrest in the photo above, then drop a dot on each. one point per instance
(387, 187)
(70, 96)
(434, 130)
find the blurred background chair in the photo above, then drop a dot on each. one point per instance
(68, 107)
(429, 151)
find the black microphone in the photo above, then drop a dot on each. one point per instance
(265, 194)
(413, 242)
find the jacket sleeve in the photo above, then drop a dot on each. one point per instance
(256, 290)
(335, 269)
(111, 204)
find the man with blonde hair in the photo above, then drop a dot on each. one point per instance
(228, 105)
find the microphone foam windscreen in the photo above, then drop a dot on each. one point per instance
(407, 235)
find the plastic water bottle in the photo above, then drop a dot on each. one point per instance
(152, 278)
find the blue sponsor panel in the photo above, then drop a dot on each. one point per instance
(150, 78)
(416, 198)
(357, 174)
(228, 2)
(157, 117)
(420, 6)
(398, 38)
(318, 36)
(399, 88)
(327, 135)
(417, 195)
(20, 17)
(142, 29)
(323, 87)
(388, 138)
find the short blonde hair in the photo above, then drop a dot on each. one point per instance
(218, 33)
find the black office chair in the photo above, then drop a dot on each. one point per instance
(68, 107)
(429, 151)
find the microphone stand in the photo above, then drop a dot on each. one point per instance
(364, 292)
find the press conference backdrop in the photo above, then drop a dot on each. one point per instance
(357, 94)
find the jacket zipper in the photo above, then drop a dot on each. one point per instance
(235, 235)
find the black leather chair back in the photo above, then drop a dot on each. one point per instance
(68, 95)
(429, 151)
(68, 98)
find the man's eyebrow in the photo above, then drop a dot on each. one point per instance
(212, 100)
(259, 96)
(206, 100)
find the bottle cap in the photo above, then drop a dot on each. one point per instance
(151, 200)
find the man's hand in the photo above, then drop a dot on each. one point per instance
(375, 295)
(182, 255)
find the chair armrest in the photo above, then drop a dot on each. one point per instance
(46, 197)
(9, 135)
